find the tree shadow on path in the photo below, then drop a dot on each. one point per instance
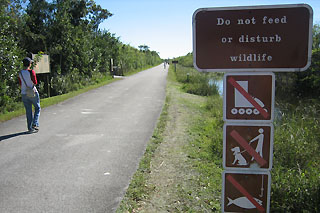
(6, 137)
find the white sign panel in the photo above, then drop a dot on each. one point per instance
(43, 66)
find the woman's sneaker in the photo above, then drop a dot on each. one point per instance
(33, 131)
(35, 127)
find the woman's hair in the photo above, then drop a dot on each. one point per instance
(26, 62)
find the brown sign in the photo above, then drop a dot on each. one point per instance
(246, 192)
(248, 146)
(258, 38)
(248, 97)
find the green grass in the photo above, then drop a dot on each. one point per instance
(52, 100)
(138, 189)
(296, 172)
(205, 154)
(18, 108)
(139, 70)
(197, 83)
(205, 147)
(201, 192)
(296, 163)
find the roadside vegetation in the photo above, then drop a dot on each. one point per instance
(181, 168)
(45, 102)
(68, 31)
(194, 82)
(197, 186)
(80, 56)
(296, 164)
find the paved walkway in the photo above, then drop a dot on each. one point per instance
(86, 151)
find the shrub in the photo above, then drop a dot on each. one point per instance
(296, 173)
(197, 83)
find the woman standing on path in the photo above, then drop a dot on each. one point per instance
(27, 79)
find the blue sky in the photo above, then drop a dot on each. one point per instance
(166, 25)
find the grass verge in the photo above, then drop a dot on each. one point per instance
(45, 102)
(52, 100)
(139, 70)
(183, 173)
(138, 189)
(296, 163)
(180, 170)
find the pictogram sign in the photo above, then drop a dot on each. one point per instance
(248, 97)
(246, 192)
(248, 146)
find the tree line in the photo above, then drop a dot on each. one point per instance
(68, 31)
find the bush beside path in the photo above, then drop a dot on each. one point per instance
(182, 165)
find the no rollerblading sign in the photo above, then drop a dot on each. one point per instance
(249, 97)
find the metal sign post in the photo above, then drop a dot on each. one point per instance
(175, 65)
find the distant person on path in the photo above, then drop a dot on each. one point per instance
(27, 79)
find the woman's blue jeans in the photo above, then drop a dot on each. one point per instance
(32, 119)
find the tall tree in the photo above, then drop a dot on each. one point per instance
(38, 18)
(10, 52)
(308, 82)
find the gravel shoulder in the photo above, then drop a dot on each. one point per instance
(170, 167)
(179, 171)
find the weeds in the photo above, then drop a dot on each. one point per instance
(197, 83)
(18, 108)
(205, 153)
(296, 172)
(296, 169)
(138, 188)
(296, 165)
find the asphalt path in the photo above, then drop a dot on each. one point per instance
(86, 151)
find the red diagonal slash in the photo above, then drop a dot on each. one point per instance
(248, 97)
(247, 147)
(245, 193)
